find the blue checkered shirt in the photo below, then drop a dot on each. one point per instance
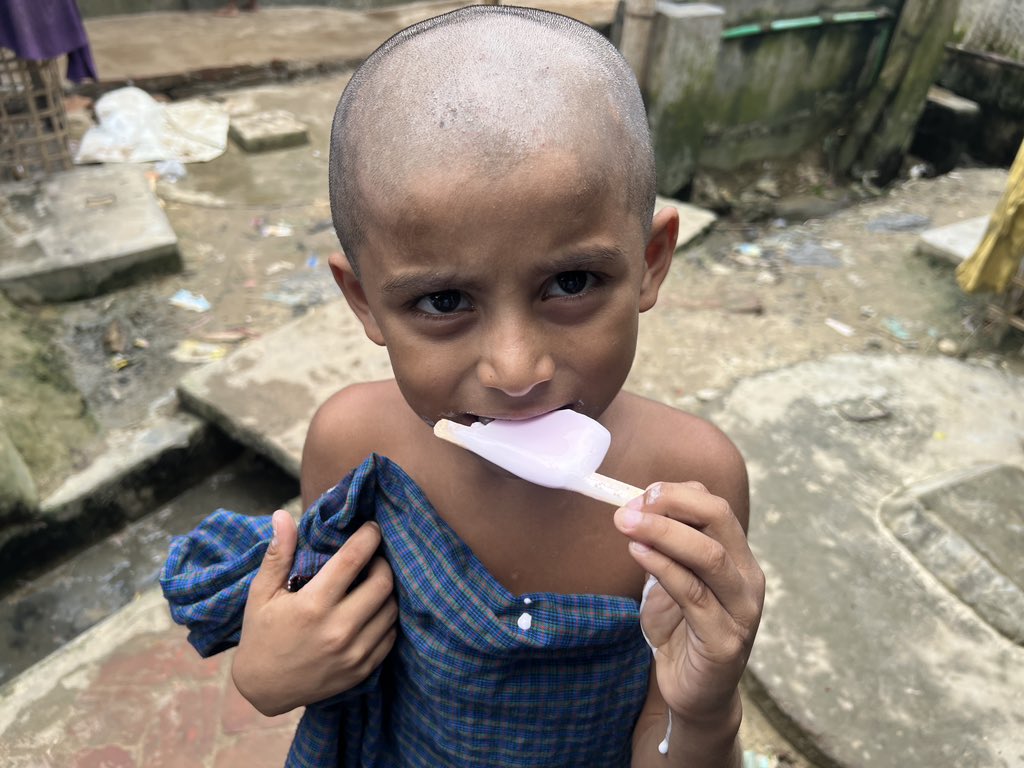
(470, 681)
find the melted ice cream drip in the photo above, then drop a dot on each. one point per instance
(648, 586)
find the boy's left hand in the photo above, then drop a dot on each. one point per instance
(703, 614)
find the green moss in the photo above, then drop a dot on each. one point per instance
(43, 413)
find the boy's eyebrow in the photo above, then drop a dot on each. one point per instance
(588, 258)
(420, 283)
(431, 281)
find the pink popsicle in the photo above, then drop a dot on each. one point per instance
(561, 449)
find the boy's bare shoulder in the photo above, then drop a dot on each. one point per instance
(678, 447)
(350, 425)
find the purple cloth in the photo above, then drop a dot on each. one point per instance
(39, 30)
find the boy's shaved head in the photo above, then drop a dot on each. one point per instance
(486, 87)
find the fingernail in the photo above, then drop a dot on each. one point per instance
(653, 493)
(639, 547)
(273, 540)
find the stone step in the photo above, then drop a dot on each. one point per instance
(953, 243)
(82, 232)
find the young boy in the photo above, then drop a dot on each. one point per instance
(492, 183)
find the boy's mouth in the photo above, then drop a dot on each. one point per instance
(472, 418)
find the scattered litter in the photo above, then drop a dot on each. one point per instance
(948, 347)
(191, 301)
(140, 343)
(100, 201)
(863, 410)
(278, 266)
(119, 362)
(113, 338)
(191, 351)
(899, 222)
(831, 245)
(313, 261)
(304, 289)
(171, 171)
(766, 277)
(867, 311)
(747, 254)
(281, 229)
(896, 328)
(227, 337)
(708, 394)
(812, 255)
(839, 327)
(135, 128)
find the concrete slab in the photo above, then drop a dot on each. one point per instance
(182, 52)
(265, 393)
(82, 232)
(44, 613)
(693, 221)
(954, 242)
(138, 469)
(967, 529)
(264, 131)
(861, 646)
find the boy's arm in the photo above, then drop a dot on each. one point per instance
(703, 614)
(302, 647)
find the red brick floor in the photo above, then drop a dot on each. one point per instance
(151, 703)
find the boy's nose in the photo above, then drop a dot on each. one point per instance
(514, 363)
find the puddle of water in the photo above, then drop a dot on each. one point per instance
(41, 616)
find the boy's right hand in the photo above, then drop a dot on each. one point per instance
(301, 647)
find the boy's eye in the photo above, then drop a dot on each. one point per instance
(571, 283)
(443, 303)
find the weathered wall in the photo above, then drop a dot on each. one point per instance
(779, 93)
(996, 26)
(986, 65)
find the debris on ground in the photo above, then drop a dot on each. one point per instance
(185, 299)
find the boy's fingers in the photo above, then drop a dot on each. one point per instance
(336, 576)
(277, 562)
(693, 505)
(722, 634)
(370, 599)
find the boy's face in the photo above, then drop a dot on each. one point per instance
(507, 295)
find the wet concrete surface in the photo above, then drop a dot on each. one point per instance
(41, 615)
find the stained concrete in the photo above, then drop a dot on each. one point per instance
(864, 655)
(265, 394)
(176, 52)
(81, 232)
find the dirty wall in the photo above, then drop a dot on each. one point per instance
(779, 92)
(985, 63)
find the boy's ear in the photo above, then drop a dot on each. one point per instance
(352, 288)
(661, 246)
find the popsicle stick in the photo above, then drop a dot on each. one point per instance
(607, 489)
